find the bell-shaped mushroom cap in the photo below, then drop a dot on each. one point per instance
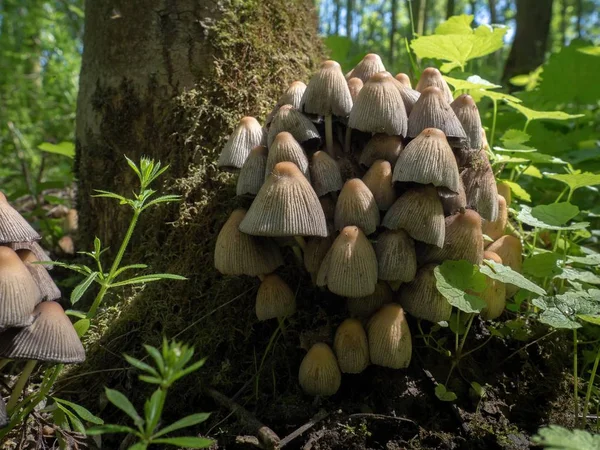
(355, 85)
(433, 111)
(36, 248)
(319, 372)
(420, 213)
(325, 174)
(428, 159)
(315, 251)
(13, 227)
(71, 221)
(409, 96)
(504, 191)
(495, 228)
(286, 205)
(509, 249)
(44, 281)
(286, 148)
(293, 95)
(379, 107)
(247, 135)
(421, 298)
(455, 203)
(396, 257)
(390, 343)
(379, 181)
(51, 337)
(365, 306)
(350, 266)
(466, 110)
(367, 67)
(327, 92)
(433, 77)
(356, 206)
(351, 346)
(464, 240)
(494, 294)
(253, 171)
(297, 124)
(274, 298)
(480, 187)
(237, 253)
(3, 415)
(381, 146)
(404, 79)
(18, 291)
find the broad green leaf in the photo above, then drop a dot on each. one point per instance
(531, 114)
(443, 394)
(82, 287)
(78, 314)
(186, 441)
(471, 83)
(73, 419)
(584, 276)
(591, 50)
(148, 279)
(81, 411)
(533, 171)
(64, 148)
(514, 137)
(590, 319)
(517, 190)
(542, 265)
(456, 25)
(153, 409)
(478, 389)
(555, 437)
(505, 274)
(123, 403)
(555, 214)
(339, 47)
(508, 159)
(526, 216)
(589, 260)
(82, 326)
(529, 154)
(109, 428)
(577, 179)
(188, 421)
(561, 311)
(453, 278)
(138, 446)
(496, 96)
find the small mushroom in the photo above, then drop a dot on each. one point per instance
(247, 135)
(297, 124)
(509, 249)
(36, 248)
(366, 306)
(504, 191)
(404, 79)
(396, 257)
(381, 146)
(315, 251)
(285, 148)
(367, 67)
(379, 181)
(480, 187)
(274, 299)
(466, 110)
(71, 221)
(351, 346)
(409, 95)
(13, 227)
(356, 205)
(325, 174)
(253, 171)
(390, 343)
(421, 298)
(433, 77)
(319, 373)
(292, 96)
(355, 85)
(495, 228)
(494, 294)
(40, 275)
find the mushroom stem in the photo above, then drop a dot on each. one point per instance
(301, 242)
(261, 277)
(3, 363)
(20, 385)
(298, 254)
(347, 140)
(329, 134)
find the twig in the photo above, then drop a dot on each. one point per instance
(381, 417)
(322, 414)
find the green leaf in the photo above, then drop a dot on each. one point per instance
(73, 419)
(554, 437)
(130, 267)
(514, 137)
(339, 47)
(479, 389)
(505, 274)
(188, 421)
(186, 441)
(109, 428)
(497, 96)
(81, 411)
(64, 148)
(526, 216)
(471, 83)
(456, 25)
(517, 190)
(82, 326)
(542, 265)
(577, 179)
(591, 50)
(141, 365)
(197, 365)
(555, 214)
(589, 260)
(157, 356)
(590, 319)
(453, 278)
(148, 279)
(78, 314)
(106, 194)
(82, 287)
(584, 276)
(531, 114)
(443, 394)
(153, 409)
(561, 311)
(123, 403)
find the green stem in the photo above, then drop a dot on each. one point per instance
(410, 16)
(464, 339)
(526, 125)
(575, 378)
(162, 397)
(20, 385)
(329, 134)
(495, 103)
(588, 394)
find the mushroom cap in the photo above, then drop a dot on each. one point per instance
(404, 79)
(48, 288)
(297, 124)
(253, 171)
(325, 174)
(285, 148)
(356, 205)
(381, 146)
(71, 221)
(354, 86)
(432, 110)
(409, 96)
(274, 298)
(18, 291)
(495, 228)
(421, 298)
(464, 240)
(327, 92)
(420, 213)
(13, 227)
(379, 107)
(367, 67)
(286, 205)
(494, 294)
(3, 415)
(319, 373)
(365, 306)
(36, 248)
(455, 203)
(396, 257)
(247, 135)
(351, 346)
(428, 159)
(390, 343)
(433, 77)
(293, 95)
(315, 251)
(480, 187)
(504, 191)
(51, 337)
(466, 110)
(379, 181)
(237, 253)
(350, 266)
(510, 250)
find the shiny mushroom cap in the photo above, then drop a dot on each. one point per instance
(253, 171)
(381, 146)
(421, 298)
(433, 77)
(466, 110)
(379, 181)
(325, 174)
(285, 148)
(247, 135)
(297, 124)
(390, 343)
(13, 227)
(274, 298)
(432, 110)
(327, 92)
(351, 346)
(367, 67)
(495, 228)
(396, 257)
(356, 205)
(404, 79)
(319, 373)
(355, 85)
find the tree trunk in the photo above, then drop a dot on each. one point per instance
(579, 18)
(473, 4)
(531, 37)
(493, 11)
(393, 30)
(422, 17)
(450, 6)
(338, 15)
(349, 12)
(563, 23)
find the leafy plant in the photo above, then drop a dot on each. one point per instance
(554, 437)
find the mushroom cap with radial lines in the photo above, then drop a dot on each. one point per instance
(455, 203)
(379, 107)
(274, 298)
(509, 249)
(495, 228)
(428, 159)
(286, 205)
(13, 227)
(319, 373)
(253, 171)
(237, 253)
(404, 79)
(396, 257)
(367, 67)
(356, 205)
(409, 96)
(480, 187)
(390, 342)
(351, 346)
(293, 95)
(355, 85)
(297, 124)
(433, 77)
(421, 298)
(19, 293)
(432, 110)
(36, 248)
(350, 266)
(494, 294)
(315, 251)
(466, 110)
(325, 174)
(51, 337)
(286, 148)
(381, 146)
(419, 212)
(379, 181)
(40, 275)
(327, 92)
(365, 306)
(247, 135)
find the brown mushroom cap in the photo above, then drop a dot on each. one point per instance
(480, 187)
(355, 85)
(466, 110)
(404, 79)
(274, 298)
(36, 248)
(293, 95)
(325, 174)
(44, 281)
(297, 124)
(379, 181)
(285, 148)
(253, 171)
(247, 135)
(286, 205)
(455, 203)
(367, 67)
(433, 77)
(495, 228)
(421, 298)
(351, 346)
(494, 294)
(365, 306)
(356, 205)
(432, 110)
(319, 373)
(237, 253)
(13, 227)
(390, 343)
(51, 337)
(409, 96)
(504, 191)
(510, 250)
(396, 257)
(327, 92)
(381, 146)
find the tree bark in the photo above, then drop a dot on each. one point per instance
(422, 22)
(349, 12)
(493, 11)
(579, 18)
(531, 37)
(338, 15)
(450, 6)
(393, 30)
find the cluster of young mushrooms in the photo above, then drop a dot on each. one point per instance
(33, 327)
(402, 183)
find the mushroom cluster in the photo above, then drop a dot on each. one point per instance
(374, 184)
(33, 327)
